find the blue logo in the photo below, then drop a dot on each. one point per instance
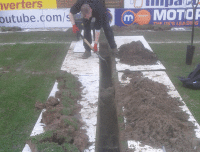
(128, 17)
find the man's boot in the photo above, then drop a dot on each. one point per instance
(86, 55)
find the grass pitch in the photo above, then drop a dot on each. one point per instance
(28, 72)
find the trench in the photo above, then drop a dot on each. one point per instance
(107, 125)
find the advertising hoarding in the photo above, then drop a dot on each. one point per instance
(49, 4)
(35, 18)
(36, 14)
(145, 4)
(41, 18)
(169, 16)
(27, 4)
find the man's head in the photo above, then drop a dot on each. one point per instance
(86, 11)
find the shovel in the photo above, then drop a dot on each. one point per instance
(100, 57)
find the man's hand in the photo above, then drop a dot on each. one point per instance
(95, 47)
(97, 33)
(75, 28)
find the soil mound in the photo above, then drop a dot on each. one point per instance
(135, 53)
(62, 119)
(154, 117)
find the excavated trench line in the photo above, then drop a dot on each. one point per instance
(107, 138)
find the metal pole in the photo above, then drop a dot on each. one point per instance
(194, 14)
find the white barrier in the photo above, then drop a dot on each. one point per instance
(44, 18)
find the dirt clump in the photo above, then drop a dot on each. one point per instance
(39, 105)
(135, 53)
(153, 117)
(80, 140)
(62, 119)
(52, 101)
(58, 94)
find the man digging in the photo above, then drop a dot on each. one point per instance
(90, 9)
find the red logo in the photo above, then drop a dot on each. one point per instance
(143, 17)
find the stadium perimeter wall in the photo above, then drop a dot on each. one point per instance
(54, 13)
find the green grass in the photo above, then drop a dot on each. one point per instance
(71, 123)
(173, 57)
(28, 72)
(49, 147)
(70, 147)
(27, 75)
(45, 146)
(53, 140)
(162, 36)
(15, 28)
(39, 36)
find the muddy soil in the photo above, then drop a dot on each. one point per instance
(153, 117)
(135, 53)
(64, 121)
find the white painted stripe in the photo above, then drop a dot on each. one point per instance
(137, 146)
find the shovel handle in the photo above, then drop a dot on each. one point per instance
(88, 44)
(92, 48)
(86, 41)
